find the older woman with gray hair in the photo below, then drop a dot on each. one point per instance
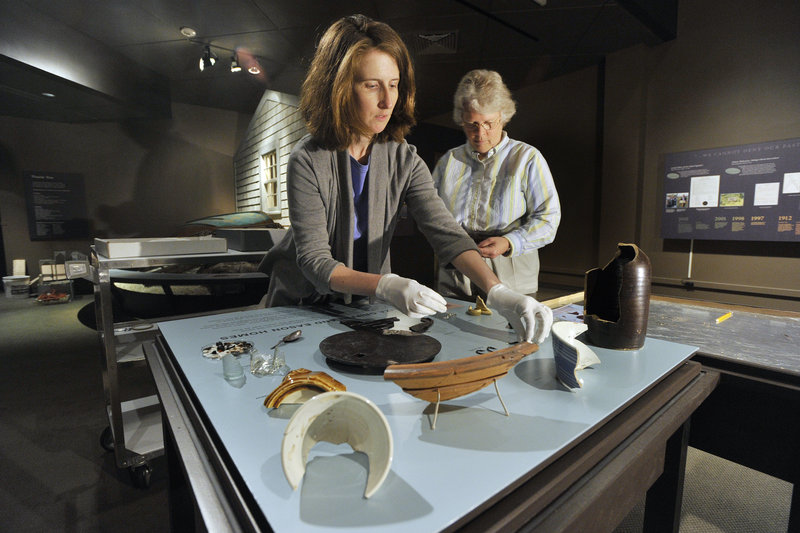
(499, 190)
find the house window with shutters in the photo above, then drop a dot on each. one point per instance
(271, 191)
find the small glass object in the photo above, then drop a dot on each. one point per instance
(268, 364)
(231, 368)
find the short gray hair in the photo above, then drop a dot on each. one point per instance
(483, 91)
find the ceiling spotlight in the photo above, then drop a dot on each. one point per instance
(235, 66)
(188, 32)
(208, 59)
(254, 70)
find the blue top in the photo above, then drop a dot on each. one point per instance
(360, 206)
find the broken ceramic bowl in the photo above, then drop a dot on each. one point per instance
(338, 417)
(301, 385)
(570, 353)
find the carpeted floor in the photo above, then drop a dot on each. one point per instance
(57, 477)
(724, 497)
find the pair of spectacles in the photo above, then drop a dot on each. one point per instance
(487, 126)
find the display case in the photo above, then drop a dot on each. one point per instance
(134, 432)
(542, 458)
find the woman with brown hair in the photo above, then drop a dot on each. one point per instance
(348, 179)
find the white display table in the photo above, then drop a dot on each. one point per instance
(473, 465)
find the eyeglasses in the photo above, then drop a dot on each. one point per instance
(487, 126)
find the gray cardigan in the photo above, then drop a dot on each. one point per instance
(320, 195)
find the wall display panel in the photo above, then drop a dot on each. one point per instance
(748, 192)
(56, 206)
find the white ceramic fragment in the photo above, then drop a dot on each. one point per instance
(571, 354)
(338, 417)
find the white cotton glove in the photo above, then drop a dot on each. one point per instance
(531, 320)
(412, 298)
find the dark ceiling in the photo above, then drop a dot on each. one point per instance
(118, 59)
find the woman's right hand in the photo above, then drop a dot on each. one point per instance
(409, 296)
(531, 320)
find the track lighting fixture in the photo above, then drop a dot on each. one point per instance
(235, 67)
(208, 59)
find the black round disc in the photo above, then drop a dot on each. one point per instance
(375, 351)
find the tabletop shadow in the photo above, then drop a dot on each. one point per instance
(456, 427)
(333, 495)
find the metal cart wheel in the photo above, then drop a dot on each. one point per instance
(140, 475)
(107, 439)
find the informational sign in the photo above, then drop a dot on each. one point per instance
(56, 206)
(749, 192)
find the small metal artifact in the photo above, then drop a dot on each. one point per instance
(291, 337)
(375, 325)
(480, 308)
(423, 326)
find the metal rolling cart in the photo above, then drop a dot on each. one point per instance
(135, 433)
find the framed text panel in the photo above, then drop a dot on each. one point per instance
(749, 192)
(56, 206)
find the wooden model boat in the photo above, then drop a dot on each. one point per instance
(445, 380)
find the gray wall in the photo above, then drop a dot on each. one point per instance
(142, 178)
(559, 117)
(731, 77)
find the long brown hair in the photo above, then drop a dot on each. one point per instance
(326, 98)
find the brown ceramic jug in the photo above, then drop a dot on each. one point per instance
(617, 300)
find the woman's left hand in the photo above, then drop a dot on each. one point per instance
(493, 247)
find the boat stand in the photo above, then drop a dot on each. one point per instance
(438, 398)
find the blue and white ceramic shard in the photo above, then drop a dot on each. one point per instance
(571, 354)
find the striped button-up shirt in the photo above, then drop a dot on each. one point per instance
(510, 193)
